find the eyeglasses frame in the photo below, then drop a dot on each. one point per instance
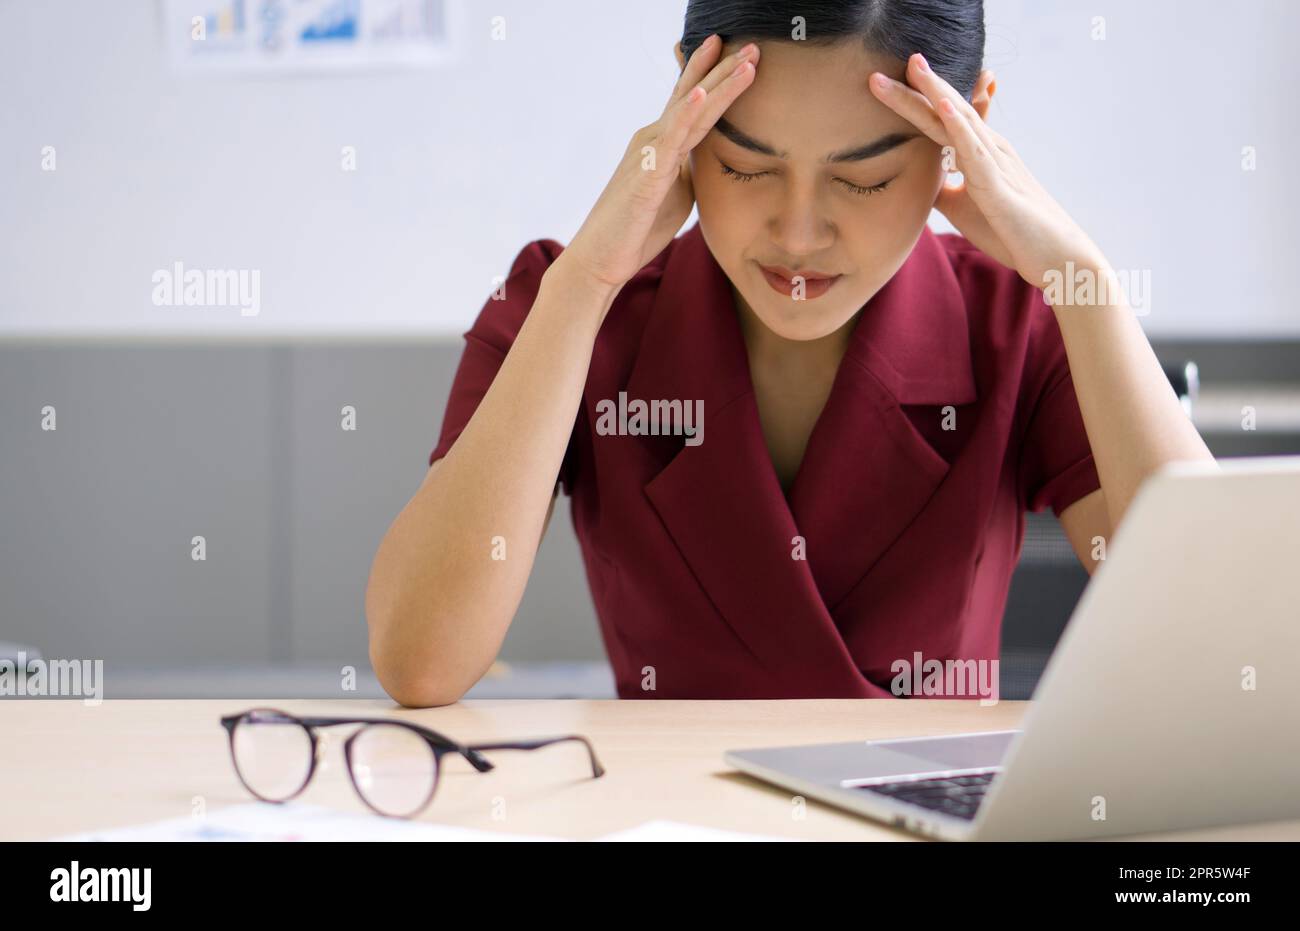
(440, 745)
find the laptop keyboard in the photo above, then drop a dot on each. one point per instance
(957, 796)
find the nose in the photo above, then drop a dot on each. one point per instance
(802, 226)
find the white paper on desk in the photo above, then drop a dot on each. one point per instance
(261, 821)
(675, 831)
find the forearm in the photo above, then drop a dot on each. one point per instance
(441, 598)
(1134, 420)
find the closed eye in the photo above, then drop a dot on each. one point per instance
(859, 189)
(743, 177)
(740, 175)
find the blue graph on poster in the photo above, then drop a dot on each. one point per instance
(339, 20)
(288, 35)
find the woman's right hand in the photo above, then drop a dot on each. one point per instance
(650, 195)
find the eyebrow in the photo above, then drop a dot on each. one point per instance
(856, 154)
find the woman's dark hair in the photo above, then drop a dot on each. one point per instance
(949, 33)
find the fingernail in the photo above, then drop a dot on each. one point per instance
(921, 63)
(747, 50)
(882, 82)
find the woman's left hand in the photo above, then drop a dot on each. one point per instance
(999, 207)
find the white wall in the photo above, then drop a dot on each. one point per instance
(1139, 136)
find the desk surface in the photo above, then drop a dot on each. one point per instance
(68, 767)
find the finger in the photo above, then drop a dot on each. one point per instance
(727, 67)
(697, 66)
(676, 126)
(719, 99)
(911, 105)
(974, 157)
(922, 77)
(714, 71)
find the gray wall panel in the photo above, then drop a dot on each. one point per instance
(348, 486)
(153, 446)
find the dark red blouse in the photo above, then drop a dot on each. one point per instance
(910, 532)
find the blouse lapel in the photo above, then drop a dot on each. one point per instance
(865, 475)
(720, 501)
(867, 472)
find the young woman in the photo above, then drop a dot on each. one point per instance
(865, 409)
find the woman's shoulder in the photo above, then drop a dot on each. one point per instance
(998, 301)
(503, 313)
(979, 274)
(539, 255)
(1013, 329)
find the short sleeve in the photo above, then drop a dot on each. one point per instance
(489, 340)
(1056, 464)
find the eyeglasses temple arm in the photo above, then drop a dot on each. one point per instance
(535, 744)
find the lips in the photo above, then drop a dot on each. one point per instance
(781, 280)
(789, 275)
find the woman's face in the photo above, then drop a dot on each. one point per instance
(805, 207)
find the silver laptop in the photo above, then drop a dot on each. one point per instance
(1171, 702)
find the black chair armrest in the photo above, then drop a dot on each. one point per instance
(1186, 382)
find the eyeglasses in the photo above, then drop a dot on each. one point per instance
(394, 765)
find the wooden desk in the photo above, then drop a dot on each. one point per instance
(67, 767)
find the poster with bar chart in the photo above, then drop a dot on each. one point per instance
(307, 35)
